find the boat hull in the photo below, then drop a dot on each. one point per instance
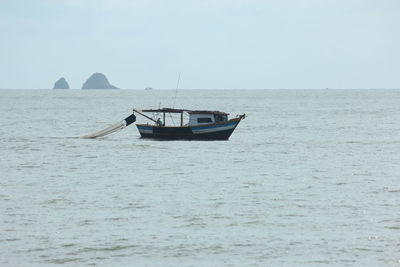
(217, 131)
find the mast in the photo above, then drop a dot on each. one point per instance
(176, 90)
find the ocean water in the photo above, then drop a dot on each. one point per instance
(309, 178)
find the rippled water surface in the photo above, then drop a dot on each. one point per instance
(309, 178)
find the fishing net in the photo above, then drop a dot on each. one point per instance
(109, 130)
(112, 129)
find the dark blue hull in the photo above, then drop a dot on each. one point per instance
(219, 131)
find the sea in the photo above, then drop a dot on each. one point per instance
(308, 178)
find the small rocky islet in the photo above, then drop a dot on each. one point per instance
(98, 81)
(61, 84)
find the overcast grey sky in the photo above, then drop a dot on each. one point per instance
(214, 43)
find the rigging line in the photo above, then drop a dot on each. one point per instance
(176, 91)
(172, 119)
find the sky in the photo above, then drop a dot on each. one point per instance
(215, 44)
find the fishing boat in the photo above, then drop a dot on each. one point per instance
(201, 125)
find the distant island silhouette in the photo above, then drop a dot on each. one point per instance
(98, 81)
(61, 84)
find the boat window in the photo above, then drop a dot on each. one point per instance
(203, 120)
(219, 117)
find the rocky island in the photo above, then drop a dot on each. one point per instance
(98, 81)
(61, 84)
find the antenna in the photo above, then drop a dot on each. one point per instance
(176, 91)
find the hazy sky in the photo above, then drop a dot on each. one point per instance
(214, 43)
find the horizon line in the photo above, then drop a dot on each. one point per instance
(155, 89)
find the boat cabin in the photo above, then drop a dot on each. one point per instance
(196, 117)
(206, 117)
